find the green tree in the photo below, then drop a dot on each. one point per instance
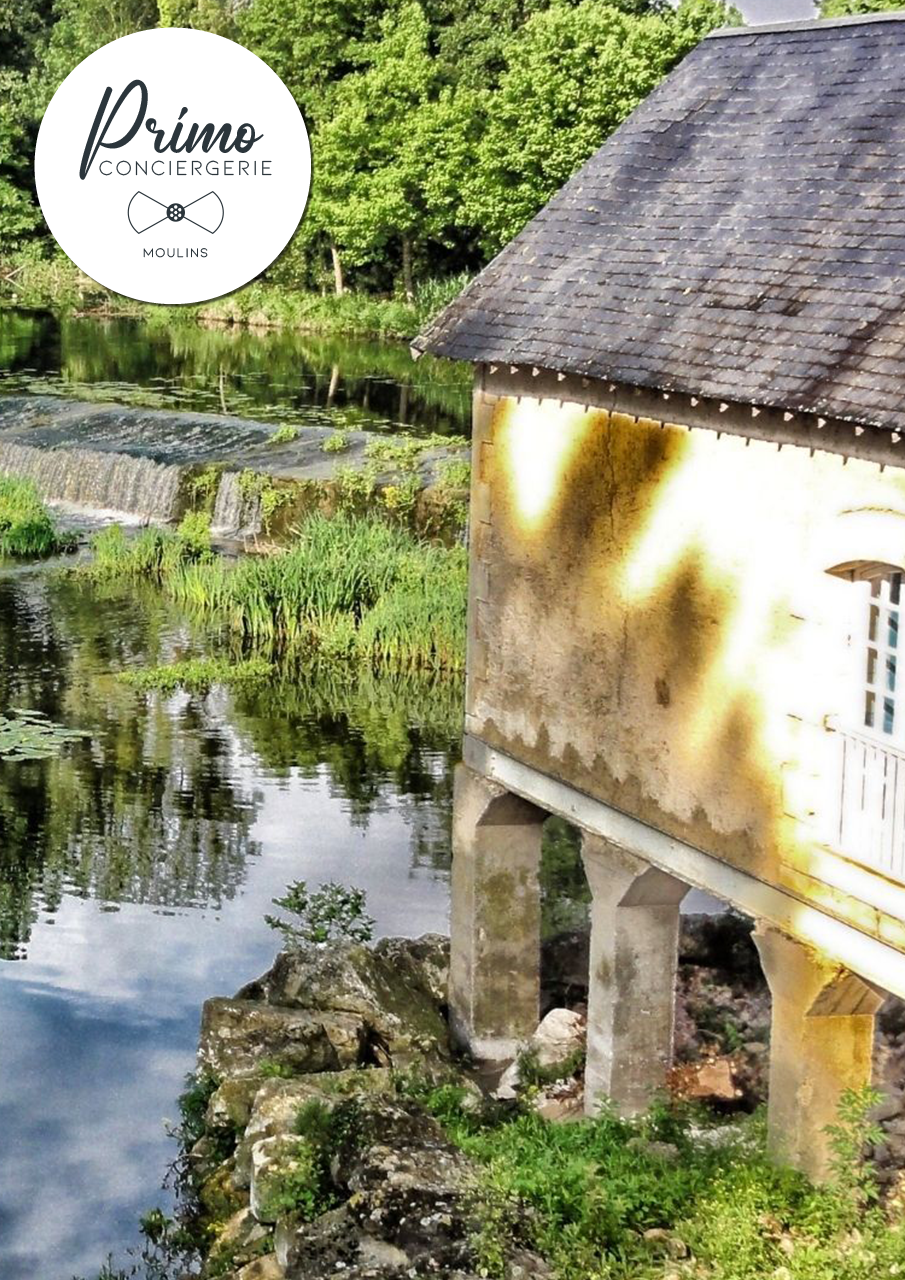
(391, 154)
(572, 76)
(310, 45)
(848, 8)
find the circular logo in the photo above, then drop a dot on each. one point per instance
(172, 166)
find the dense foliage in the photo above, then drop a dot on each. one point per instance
(438, 127)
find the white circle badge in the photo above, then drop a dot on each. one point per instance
(172, 165)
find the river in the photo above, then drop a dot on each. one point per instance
(137, 866)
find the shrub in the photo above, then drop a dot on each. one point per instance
(332, 913)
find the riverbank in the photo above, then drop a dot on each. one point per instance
(57, 285)
(330, 1128)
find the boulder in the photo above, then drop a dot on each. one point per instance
(237, 1036)
(266, 1268)
(558, 1042)
(394, 989)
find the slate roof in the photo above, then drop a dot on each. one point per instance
(741, 235)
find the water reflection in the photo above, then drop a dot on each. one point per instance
(274, 377)
(135, 871)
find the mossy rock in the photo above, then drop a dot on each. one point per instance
(395, 988)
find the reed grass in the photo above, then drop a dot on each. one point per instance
(26, 526)
(348, 588)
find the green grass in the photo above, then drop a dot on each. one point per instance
(348, 588)
(26, 526)
(584, 1195)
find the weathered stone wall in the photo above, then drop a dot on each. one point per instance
(654, 623)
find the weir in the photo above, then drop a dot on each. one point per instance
(140, 462)
(98, 481)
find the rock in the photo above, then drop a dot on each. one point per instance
(238, 1035)
(666, 1240)
(560, 1107)
(283, 1168)
(408, 1185)
(278, 1102)
(559, 1038)
(240, 1241)
(266, 1268)
(230, 1104)
(392, 989)
(425, 959)
(889, 1109)
(711, 1081)
(311, 1250)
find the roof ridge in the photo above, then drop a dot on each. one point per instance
(808, 24)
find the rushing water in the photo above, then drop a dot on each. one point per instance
(273, 377)
(135, 871)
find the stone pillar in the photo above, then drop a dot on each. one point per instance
(634, 954)
(821, 1044)
(494, 974)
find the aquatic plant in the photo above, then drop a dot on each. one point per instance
(346, 588)
(26, 526)
(284, 435)
(150, 553)
(196, 675)
(203, 486)
(332, 913)
(29, 735)
(336, 443)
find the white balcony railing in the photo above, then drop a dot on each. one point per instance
(871, 827)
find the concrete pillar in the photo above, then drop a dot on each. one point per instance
(634, 953)
(494, 974)
(821, 1044)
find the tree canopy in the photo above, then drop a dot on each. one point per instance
(438, 127)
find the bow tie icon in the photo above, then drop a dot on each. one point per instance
(145, 212)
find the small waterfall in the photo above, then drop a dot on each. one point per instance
(237, 513)
(100, 480)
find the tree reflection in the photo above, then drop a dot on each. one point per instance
(276, 377)
(153, 806)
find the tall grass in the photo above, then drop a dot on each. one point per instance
(26, 526)
(348, 588)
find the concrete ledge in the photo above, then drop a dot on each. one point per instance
(864, 955)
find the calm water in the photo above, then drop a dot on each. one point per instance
(135, 870)
(274, 377)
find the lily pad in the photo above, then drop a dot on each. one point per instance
(29, 735)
